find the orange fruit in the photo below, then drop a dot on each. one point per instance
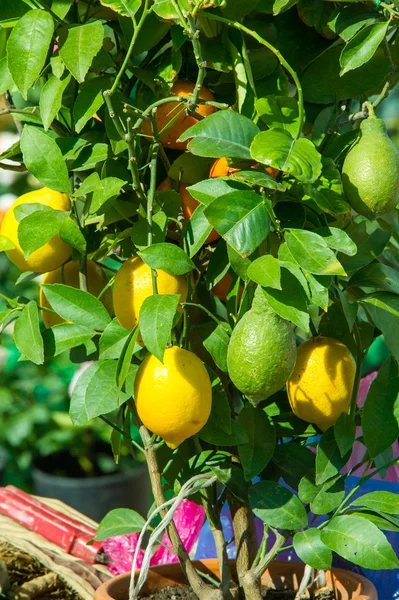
(222, 288)
(189, 204)
(221, 168)
(182, 122)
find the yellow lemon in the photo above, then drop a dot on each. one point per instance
(320, 387)
(173, 399)
(69, 275)
(50, 256)
(133, 284)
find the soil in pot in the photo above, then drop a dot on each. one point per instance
(184, 592)
(93, 493)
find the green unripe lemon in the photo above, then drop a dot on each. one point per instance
(370, 174)
(262, 351)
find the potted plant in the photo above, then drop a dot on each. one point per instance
(213, 151)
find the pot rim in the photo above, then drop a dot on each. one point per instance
(367, 591)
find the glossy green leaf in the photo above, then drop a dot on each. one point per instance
(51, 99)
(190, 169)
(27, 334)
(337, 239)
(259, 178)
(379, 501)
(198, 231)
(120, 521)
(294, 459)
(216, 337)
(345, 433)
(359, 541)
(384, 310)
(290, 302)
(233, 478)
(5, 243)
(326, 192)
(38, 228)
(380, 417)
(311, 550)
(277, 506)
(377, 276)
(156, 321)
(265, 271)
(81, 46)
(225, 133)
(77, 306)
(167, 9)
(44, 160)
(65, 336)
(312, 253)
(242, 220)
(221, 429)
(329, 461)
(109, 187)
(167, 257)
(362, 47)
(279, 111)
(112, 340)
(89, 101)
(277, 148)
(72, 235)
(96, 392)
(328, 496)
(27, 48)
(61, 7)
(369, 247)
(6, 82)
(258, 451)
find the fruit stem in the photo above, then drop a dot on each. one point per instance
(136, 30)
(276, 53)
(359, 363)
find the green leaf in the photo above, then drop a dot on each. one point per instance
(311, 550)
(265, 271)
(126, 8)
(277, 506)
(290, 302)
(5, 243)
(139, 232)
(345, 433)
(72, 235)
(328, 496)
(89, 101)
(51, 99)
(294, 459)
(279, 111)
(259, 178)
(242, 220)
(221, 429)
(112, 340)
(359, 541)
(379, 501)
(96, 392)
(190, 169)
(125, 359)
(210, 189)
(27, 334)
(383, 307)
(27, 48)
(216, 337)
(223, 134)
(156, 321)
(277, 148)
(369, 247)
(376, 275)
(38, 228)
(44, 160)
(88, 185)
(65, 336)
(6, 82)
(380, 417)
(77, 306)
(362, 47)
(258, 451)
(81, 46)
(350, 308)
(109, 187)
(167, 257)
(329, 461)
(379, 520)
(61, 7)
(312, 253)
(233, 478)
(120, 521)
(197, 232)
(337, 239)
(326, 192)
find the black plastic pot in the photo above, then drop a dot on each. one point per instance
(96, 496)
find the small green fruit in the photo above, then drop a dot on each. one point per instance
(262, 351)
(370, 174)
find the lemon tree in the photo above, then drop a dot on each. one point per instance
(214, 226)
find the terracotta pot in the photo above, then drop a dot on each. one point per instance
(281, 575)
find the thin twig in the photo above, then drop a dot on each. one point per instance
(137, 187)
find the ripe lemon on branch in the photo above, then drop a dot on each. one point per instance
(173, 398)
(133, 284)
(172, 116)
(69, 275)
(320, 387)
(55, 252)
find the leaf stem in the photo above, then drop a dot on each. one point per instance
(111, 424)
(281, 59)
(151, 192)
(358, 373)
(137, 28)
